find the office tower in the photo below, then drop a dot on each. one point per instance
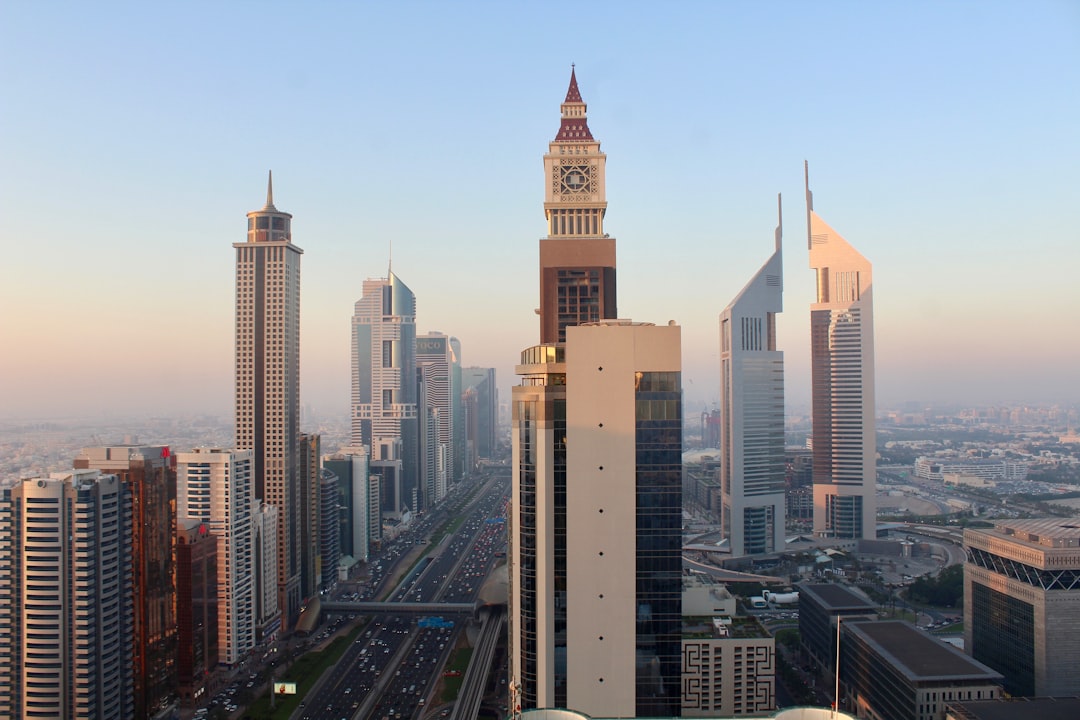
(434, 455)
(1022, 603)
(383, 376)
(435, 354)
(822, 608)
(264, 533)
(482, 381)
(329, 529)
(196, 609)
(842, 384)
(577, 259)
(596, 556)
(457, 412)
(268, 379)
(752, 413)
(310, 474)
(217, 487)
(360, 491)
(65, 597)
(152, 482)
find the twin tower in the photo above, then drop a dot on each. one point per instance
(595, 561)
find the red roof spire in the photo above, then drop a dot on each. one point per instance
(574, 126)
(572, 93)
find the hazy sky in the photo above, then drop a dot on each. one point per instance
(943, 141)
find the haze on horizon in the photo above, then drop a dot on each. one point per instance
(941, 139)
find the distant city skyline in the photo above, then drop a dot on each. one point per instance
(940, 137)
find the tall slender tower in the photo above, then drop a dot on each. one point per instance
(577, 259)
(752, 412)
(268, 378)
(595, 524)
(384, 377)
(842, 378)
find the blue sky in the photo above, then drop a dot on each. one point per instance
(942, 140)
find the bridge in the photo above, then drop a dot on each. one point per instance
(399, 608)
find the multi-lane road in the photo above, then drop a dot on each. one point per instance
(391, 670)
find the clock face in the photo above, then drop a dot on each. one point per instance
(575, 179)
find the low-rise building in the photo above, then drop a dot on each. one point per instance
(729, 667)
(820, 606)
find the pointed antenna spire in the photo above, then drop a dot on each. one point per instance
(390, 263)
(809, 202)
(779, 220)
(573, 95)
(270, 191)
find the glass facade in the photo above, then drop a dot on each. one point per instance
(658, 435)
(526, 523)
(1003, 637)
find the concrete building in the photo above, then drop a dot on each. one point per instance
(217, 487)
(66, 610)
(486, 414)
(1022, 603)
(577, 258)
(821, 608)
(437, 357)
(310, 474)
(1006, 708)
(359, 490)
(704, 596)
(728, 668)
(268, 379)
(842, 384)
(752, 413)
(985, 468)
(264, 533)
(196, 610)
(891, 670)
(149, 476)
(329, 529)
(384, 409)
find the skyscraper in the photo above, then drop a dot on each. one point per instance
(482, 381)
(595, 524)
(842, 384)
(65, 597)
(577, 258)
(216, 487)
(268, 378)
(436, 356)
(196, 609)
(152, 482)
(310, 473)
(384, 377)
(752, 413)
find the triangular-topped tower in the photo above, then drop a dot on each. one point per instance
(577, 258)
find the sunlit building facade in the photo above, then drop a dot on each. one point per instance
(196, 609)
(752, 414)
(268, 379)
(842, 384)
(151, 480)
(66, 610)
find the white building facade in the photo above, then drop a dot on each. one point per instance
(842, 385)
(752, 414)
(217, 487)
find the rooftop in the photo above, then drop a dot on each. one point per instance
(836, 597)
(1018, 709)
(919, 656)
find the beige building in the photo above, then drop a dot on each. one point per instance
(702, 596)
(842, 384)
(729, 669)
(1022, 603)
(268, 379)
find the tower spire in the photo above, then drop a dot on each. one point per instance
(573, 95)
(270, 191)
(779, 220)
(809, 201)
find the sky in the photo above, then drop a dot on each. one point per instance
(942, 141)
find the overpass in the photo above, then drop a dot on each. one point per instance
(399, 608)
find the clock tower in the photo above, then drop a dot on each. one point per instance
(577, 259)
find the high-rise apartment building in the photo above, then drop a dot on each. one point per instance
(482, 382)
(577, 258)
(752, 413)
(595, 524)
(151, 480)
(384, 376)
(437, 357)
(268, 379)
(217, 487)
(264, 532)
(329, 529)
(359, 489)
(310, 474)
(196, 609)
(65, 598)
(1022, 603)
(842, 384)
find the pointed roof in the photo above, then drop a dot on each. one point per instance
(270, 192)
(573, 95)
(574, 126)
